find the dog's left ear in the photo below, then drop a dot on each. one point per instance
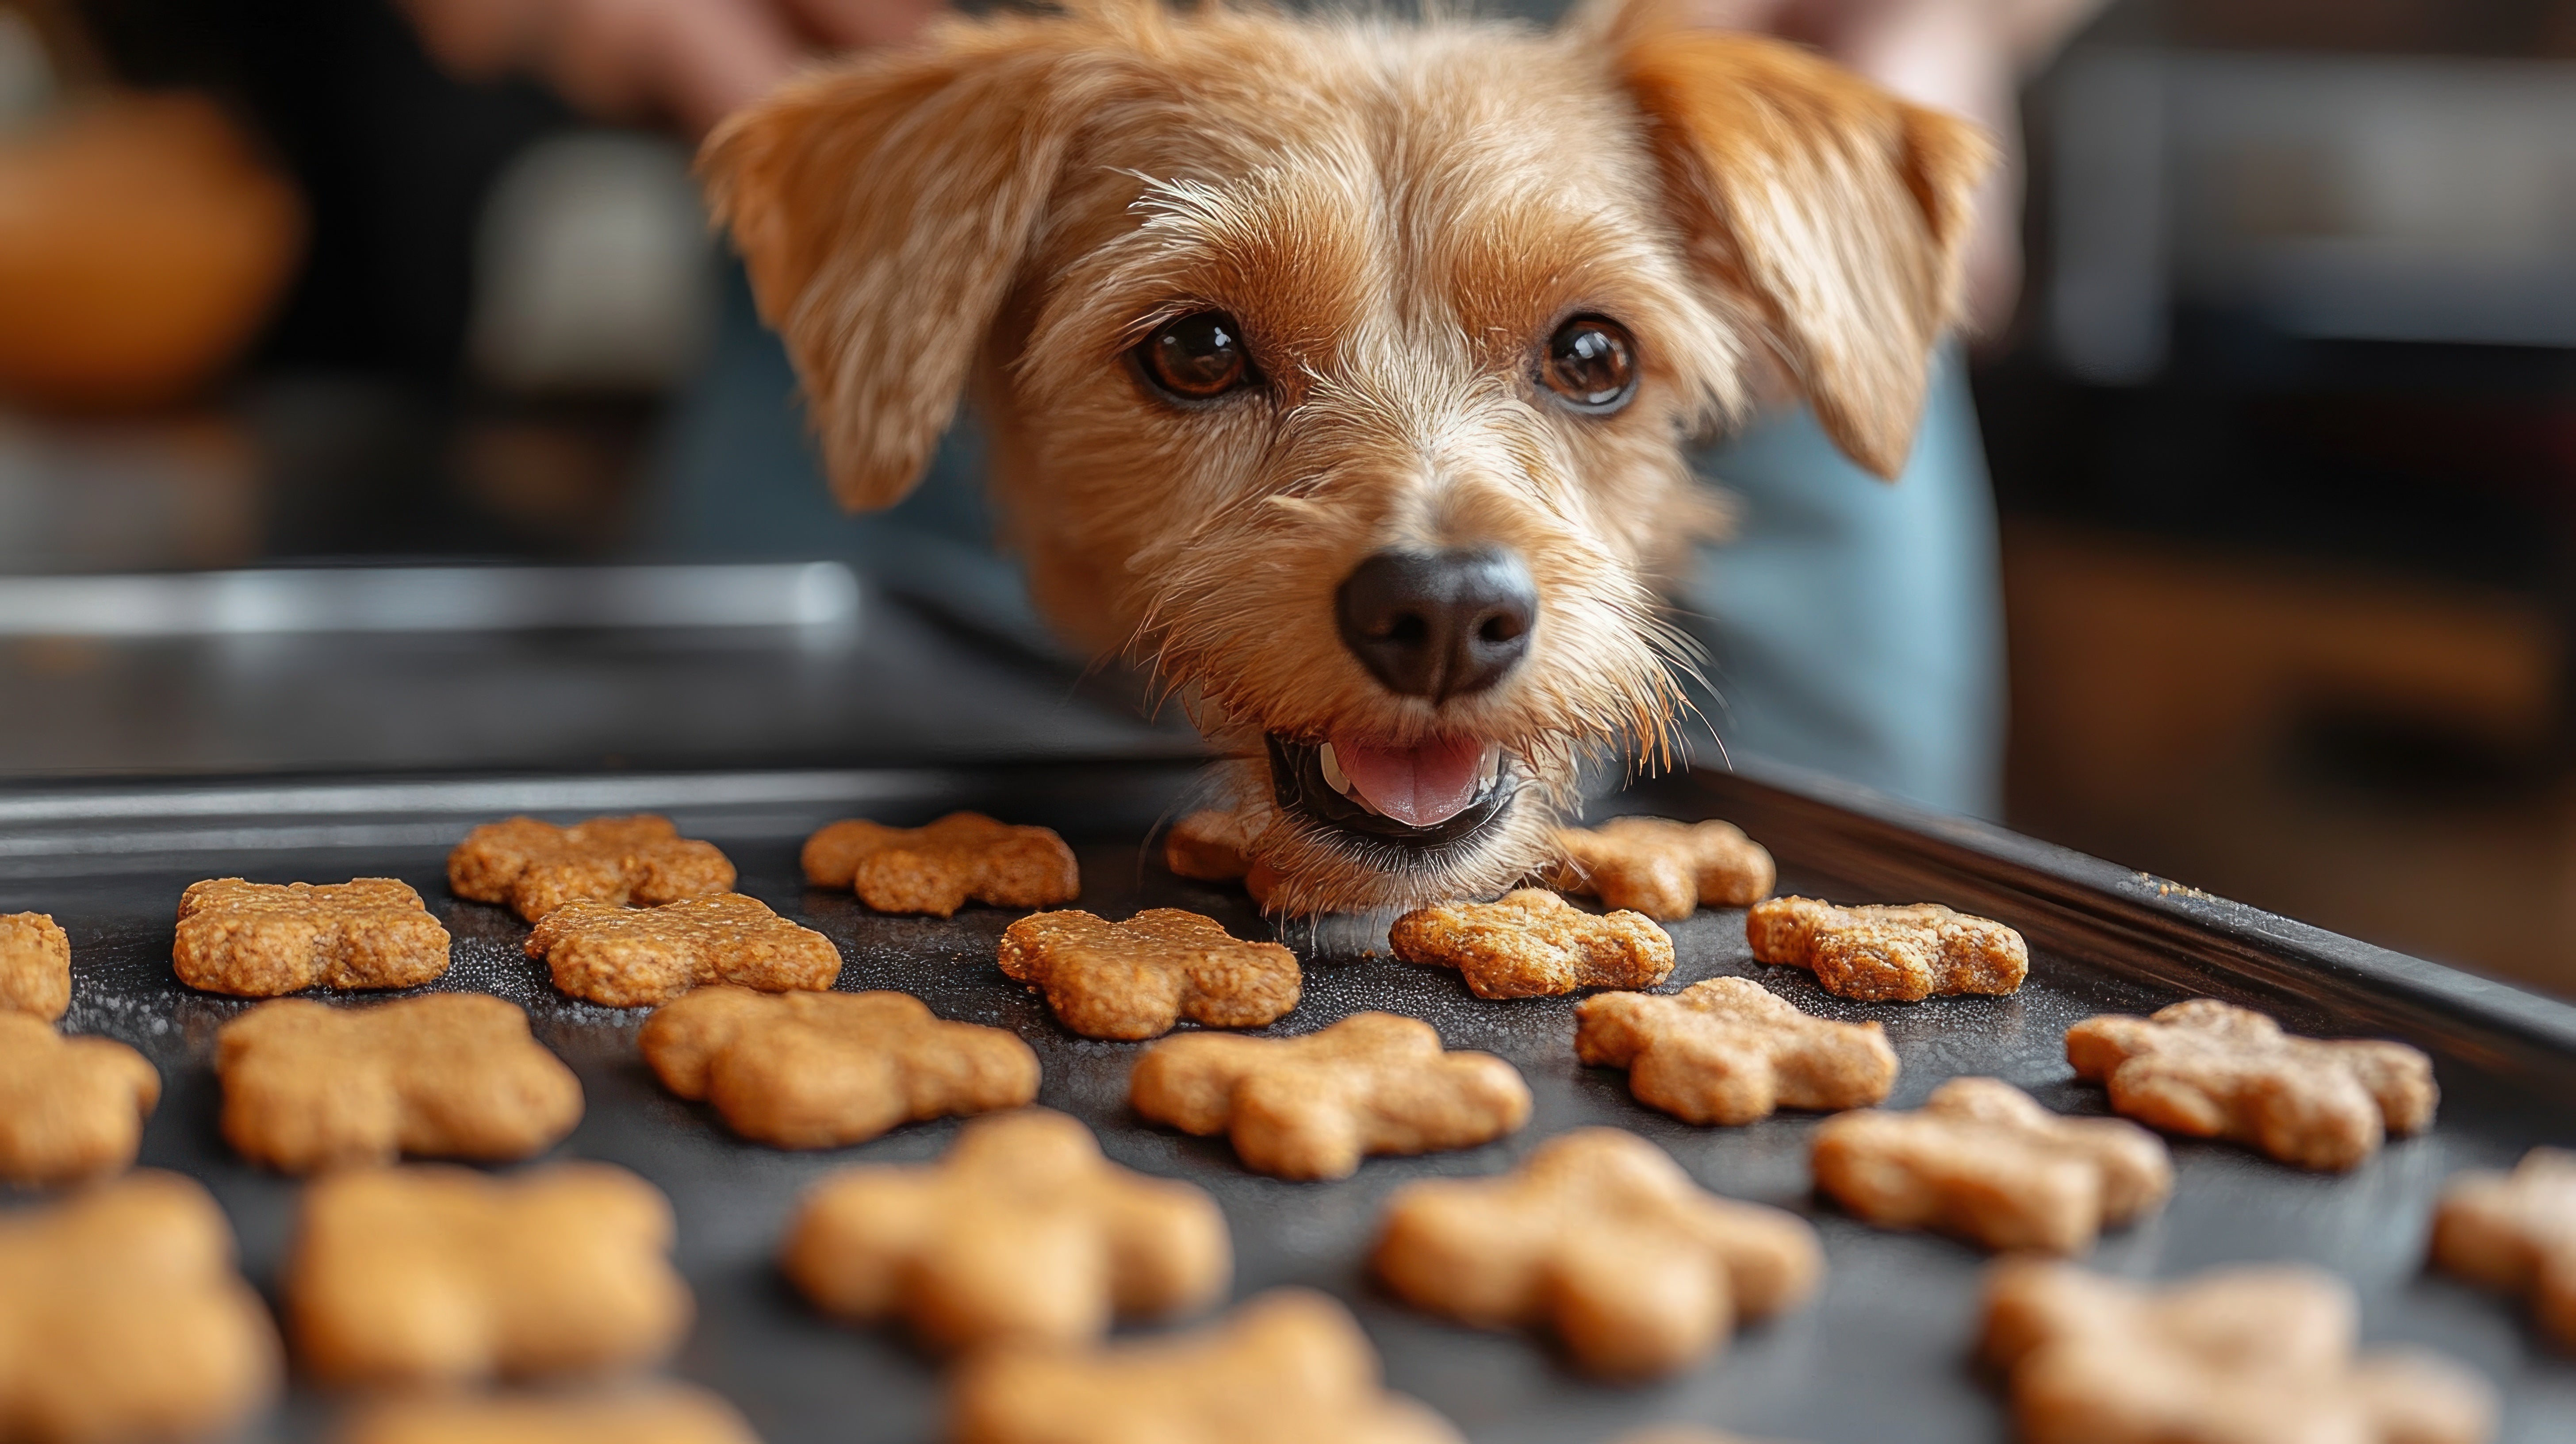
(882, 208)
(1836, 210)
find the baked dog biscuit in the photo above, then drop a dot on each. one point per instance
(2206, 1069)
(1209, 846)
(121, 1318)
(820, 1070)
(1728, 1051)
(2255, 1355)
(70, 1108)
(1601, 1237)
(1311, 1107)
(1534, 944)
(1288, 1367)
(1023, 1232)
(1662, 868)
(433, 1275)
(35, 966)
(257, 940)
(656, 1413)
(446, 1075)
(629, 957)
(963, 857)
(1878, 953)
(1140, 978)
(2516, 1232)
(536, 867)
(1982, 1160)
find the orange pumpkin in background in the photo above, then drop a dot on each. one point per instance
(142, 243)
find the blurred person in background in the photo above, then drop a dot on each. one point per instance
(1852, 626)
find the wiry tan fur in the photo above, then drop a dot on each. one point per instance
(1399, 215)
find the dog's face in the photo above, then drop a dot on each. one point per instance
(1343, 369)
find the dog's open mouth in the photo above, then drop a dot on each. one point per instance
(1431, 795)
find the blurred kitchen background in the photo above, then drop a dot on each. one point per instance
(300, 339)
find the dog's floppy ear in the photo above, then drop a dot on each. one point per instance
(883, 207)
(1837, 210)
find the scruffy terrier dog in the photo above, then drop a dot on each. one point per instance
(1343, 367)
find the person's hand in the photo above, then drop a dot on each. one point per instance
(1967, 57)
(687, 61)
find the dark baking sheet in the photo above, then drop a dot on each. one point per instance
(1879, 1355)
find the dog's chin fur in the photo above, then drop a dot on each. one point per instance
(1398, 217)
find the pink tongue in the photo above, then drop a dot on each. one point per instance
(1417, 786)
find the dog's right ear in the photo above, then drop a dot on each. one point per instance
(883, 208)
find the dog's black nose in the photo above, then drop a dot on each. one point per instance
(1439, 624)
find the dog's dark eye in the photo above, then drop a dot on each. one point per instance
(1591, 365)
(1196, 357)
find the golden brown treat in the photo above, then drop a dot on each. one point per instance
(1881, 953)
(1662, 868)
(257, 940)
(659, 1412)
(1602, 1238)
(2516, 1232)
(2255, 1355)
(121, 1318)
(1728, 1051)
(1982, 1160)
(820, 1070)
(447, 1075)
(537, 867)
(70, 1108)
(1288, 1367)
(1023, 1232)
(2206, 1069)
(1534, 944)
(630, 957)
(1139, 978)
(963, 857)
(35, 966)
(1311, 1107)
(1210, 846)
(433, 1275)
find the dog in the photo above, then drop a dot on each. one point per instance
(1343, 368)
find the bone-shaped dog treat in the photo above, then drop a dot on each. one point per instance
(1139, 978)
(1728, 1051)
(1879, 953)
(1209, 846)
(430, 1274)
(1288, 1367)
(657, 1413)
(2210, 1070)
(1534, 944)
(1662, 868)
(1022, 1232)
(1311, 1107)
(629, 957)
(35, 966)
(536, 867)
(821, 1070)
(70, 1108)
(121, 1318)
(963, 857)
(446, 1075)
(2516, 1232)
(1982, 1160)
(1601, 1237)
(2255, 1355)
(257, 940)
